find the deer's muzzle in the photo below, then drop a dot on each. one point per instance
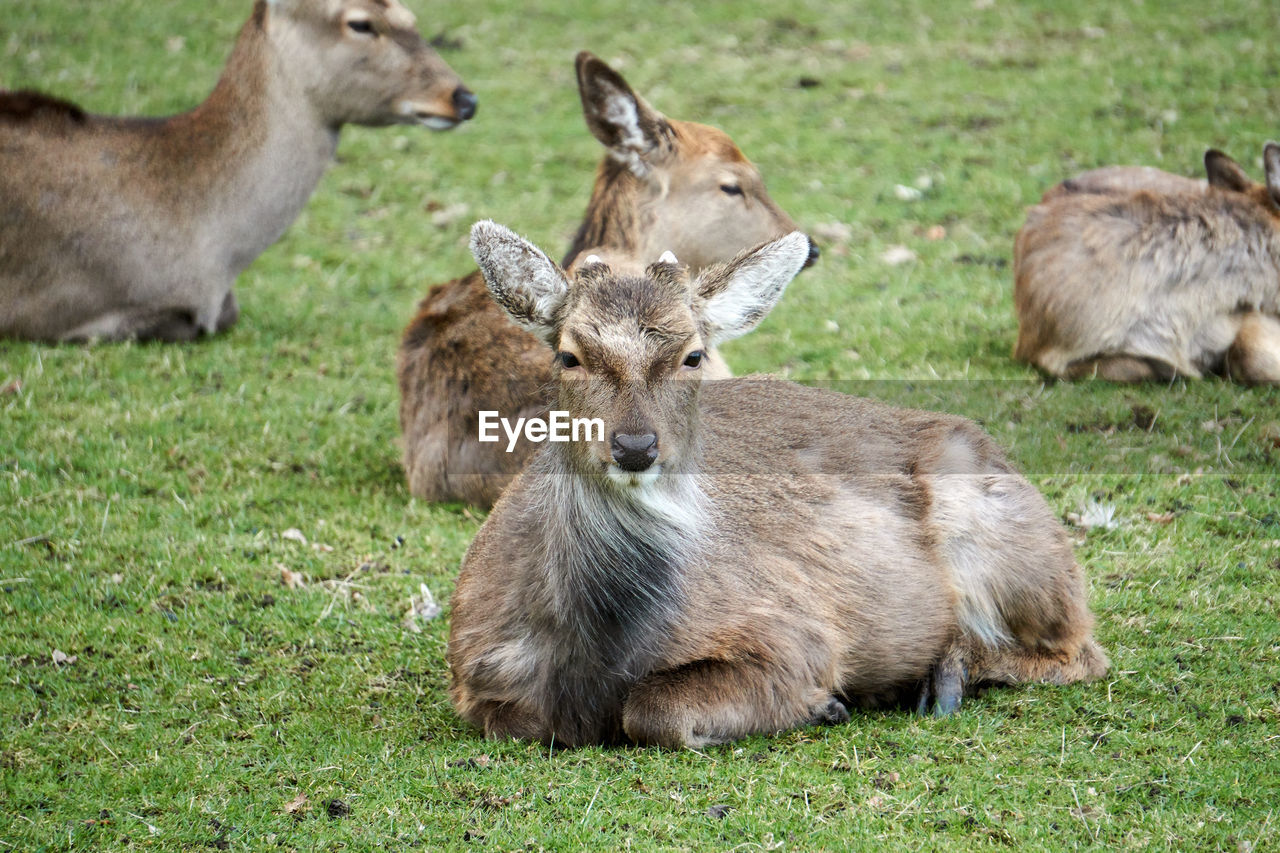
(634, 452)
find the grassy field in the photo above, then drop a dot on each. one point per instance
(161, 688)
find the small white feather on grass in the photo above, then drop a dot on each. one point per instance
(1095, 515)
(422, 609)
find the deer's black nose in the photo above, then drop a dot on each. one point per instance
(464, 101)
(814, 252)
(634, 452)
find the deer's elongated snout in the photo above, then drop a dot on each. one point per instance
(443, 101)
(634, 452)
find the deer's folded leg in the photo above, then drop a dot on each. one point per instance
(710, 702)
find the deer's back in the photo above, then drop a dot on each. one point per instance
(1122, 180)
(130, 183)
(30, 108)
(773, 428)
(165, 162)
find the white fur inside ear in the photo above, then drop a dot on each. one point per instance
(593, 259)
(523, 281)
(621, 111)
(747, 288)
(668, 257)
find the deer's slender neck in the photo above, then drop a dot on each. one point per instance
(253, 151)
(613, 217)
(213, 138)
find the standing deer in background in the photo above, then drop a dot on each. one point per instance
(116, 228)
(740, 556)
(1133, 286)
(665, 185)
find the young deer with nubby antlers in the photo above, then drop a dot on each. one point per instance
(740, 556)
(116, 228)
(1152, 284)
(665, 185)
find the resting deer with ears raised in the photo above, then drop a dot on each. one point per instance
(664, 185)
(116, 228)
(1151, 284)
(745, 555)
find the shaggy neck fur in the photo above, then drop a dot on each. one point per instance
(612, 220)
(612, 563)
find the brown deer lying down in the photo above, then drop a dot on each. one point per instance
(740, 556)
(1132, 286)
(116, 228)
(1221, 171)
(665, 185)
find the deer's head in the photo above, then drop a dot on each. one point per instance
(364, 62)
(630, 348)
(696, 194)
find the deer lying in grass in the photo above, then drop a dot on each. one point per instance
(741, 556)
(664, 185)
(1220, 170)
(1133, 286)
(117, 228)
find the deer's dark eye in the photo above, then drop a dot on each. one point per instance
(694, 359)
(568, 360)
(361, 25)
(731, 189)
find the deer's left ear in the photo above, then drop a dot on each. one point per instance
(734, 297)
(525, 283)
(1225, 173)
(634, 132)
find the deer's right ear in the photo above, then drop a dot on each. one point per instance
(734, 297)
(525, 283)
(1271, 159)
(1225, 173)
(633, 131)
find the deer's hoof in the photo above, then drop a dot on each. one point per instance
(831, 714)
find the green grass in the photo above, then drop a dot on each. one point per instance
(144, 490)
